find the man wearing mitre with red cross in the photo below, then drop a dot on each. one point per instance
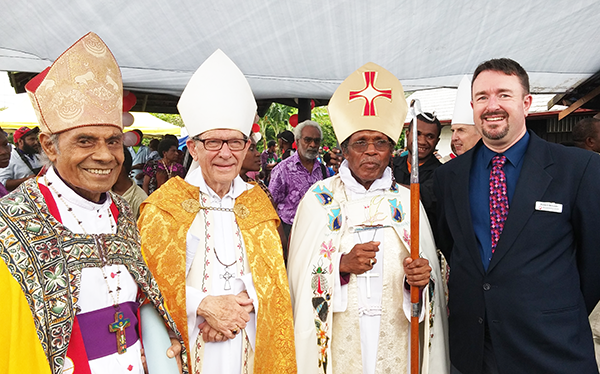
(211, 240)
(72, 274)
(349, 263)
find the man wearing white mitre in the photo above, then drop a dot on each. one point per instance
(211, 240)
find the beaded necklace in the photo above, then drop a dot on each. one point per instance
(120, 323)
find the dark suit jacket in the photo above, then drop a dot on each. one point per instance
(544, 277)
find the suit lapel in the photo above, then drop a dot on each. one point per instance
(462, 204)
(531, 186)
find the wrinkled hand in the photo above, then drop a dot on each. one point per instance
(175, 351)
(226, 313)
(417, 271)
(210, 335)
(358, 260)
(249, 307)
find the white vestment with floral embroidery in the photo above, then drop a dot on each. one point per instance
(215, 233)
(360, 327)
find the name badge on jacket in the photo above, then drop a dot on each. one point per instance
(548, 207)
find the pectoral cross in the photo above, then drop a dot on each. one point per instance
(119, 327)
(227, 276)
(368, 276)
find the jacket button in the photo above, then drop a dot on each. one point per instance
(486, 286)
(480, 320)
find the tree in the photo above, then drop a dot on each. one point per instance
(277, 118)
(321, 116)
(174, 119)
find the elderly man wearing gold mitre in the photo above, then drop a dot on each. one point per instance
(72, 273)
(212, 241)
(350, 247)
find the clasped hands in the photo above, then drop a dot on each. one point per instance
(225, 316)
(362, 258)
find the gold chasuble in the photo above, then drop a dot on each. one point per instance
(165, 218)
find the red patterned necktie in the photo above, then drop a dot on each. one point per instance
(498, 199)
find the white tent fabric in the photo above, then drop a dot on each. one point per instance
(291, 49)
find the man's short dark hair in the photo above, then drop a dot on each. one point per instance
(586, 128)
(271, 143)
(327, 158)
(127, 161)
(431, 119)
(165, 145)
(287, 136)
(506, 66)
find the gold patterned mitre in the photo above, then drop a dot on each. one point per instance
(82, 87)
(371, 98)
(217, 96)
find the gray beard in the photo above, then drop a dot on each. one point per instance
(311, 155)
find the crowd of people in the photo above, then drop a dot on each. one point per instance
(296, 259)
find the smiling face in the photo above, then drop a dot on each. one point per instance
(88, 158)
(369, 165)
(220, 167)
(427, 139)
(500, 106)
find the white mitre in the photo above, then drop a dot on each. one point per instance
(215, 88)
(463, 112)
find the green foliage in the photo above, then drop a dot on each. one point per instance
(401, 142)
(174, 119)
(277, 117)
(274, 122)
(321, 116)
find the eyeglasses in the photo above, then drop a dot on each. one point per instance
(308, 140)
(362, 145)
(217, 144)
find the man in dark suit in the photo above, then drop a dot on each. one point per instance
(524, 260)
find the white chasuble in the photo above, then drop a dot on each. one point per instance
(374, 298)
(216, 264)
(360, 327)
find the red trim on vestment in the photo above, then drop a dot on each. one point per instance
(50, 202)
(76, 351)
(114, 210)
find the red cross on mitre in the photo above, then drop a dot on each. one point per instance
(370, 93)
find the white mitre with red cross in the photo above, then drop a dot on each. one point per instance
(217, 96)
(371, 98)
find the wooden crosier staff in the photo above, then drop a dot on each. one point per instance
(415, 108)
